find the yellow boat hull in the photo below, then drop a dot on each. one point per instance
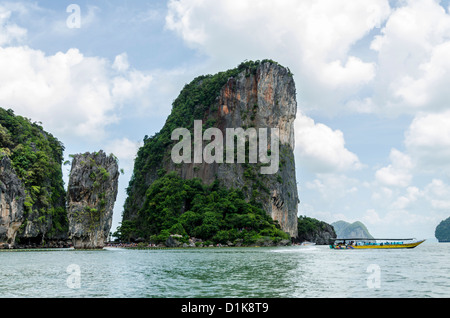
(378, 246)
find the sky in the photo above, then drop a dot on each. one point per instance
(372, 133)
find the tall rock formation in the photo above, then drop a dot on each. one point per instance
(253, 95)
(92, 192)
(36, 158)
(12, 197)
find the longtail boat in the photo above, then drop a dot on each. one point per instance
(373, 243)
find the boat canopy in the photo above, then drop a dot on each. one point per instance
(372, 239)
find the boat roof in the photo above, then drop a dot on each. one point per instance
(372, 239)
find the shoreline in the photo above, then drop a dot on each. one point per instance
(135, 247)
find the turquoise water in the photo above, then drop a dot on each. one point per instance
(286, 272)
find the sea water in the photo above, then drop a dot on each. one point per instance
(281, 272)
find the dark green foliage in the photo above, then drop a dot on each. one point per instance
(36, 157)
(442, 232)
(308, 226)
(125, 231)
(190, 208)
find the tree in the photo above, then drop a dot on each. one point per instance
(442, 232)
(188, 207)
(125, 230)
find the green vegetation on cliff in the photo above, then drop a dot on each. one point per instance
(307, 225)
(313, 230)
(195, 101)
(192, 209)
(442, 232)
(36, 157)
(160, 201)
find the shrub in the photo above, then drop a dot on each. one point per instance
(189, 208)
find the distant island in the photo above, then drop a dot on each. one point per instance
(351, 230)
(442, 232)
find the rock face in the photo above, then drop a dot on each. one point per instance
(351, 230)
(36, 157)
(266, 99)
(12, 197)
(260, 96)
(92, 192)
(322, 237)
(312, 230)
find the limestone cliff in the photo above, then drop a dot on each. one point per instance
(12, 197)
(254, 95)
(36, 158)
(313, 230)
(92, 192)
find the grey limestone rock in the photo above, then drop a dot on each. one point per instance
(265, 99)
(12, 197)
(92, 192)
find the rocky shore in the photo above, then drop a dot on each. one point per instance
(31, 246)
(176, 241)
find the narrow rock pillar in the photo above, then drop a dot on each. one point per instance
(92, 192)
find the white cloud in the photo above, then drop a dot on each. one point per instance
(321, 149)
(313, 38)
(125, 150)
(382, 194)
(182, 19)
(428, 141)
(73, 95)
(333, 186)
(121, 63)
(413, 69)
(430, 89)
(132, 85)
(438, 194)
(371, 217)
(396, 223)
(403, 202)
(9, 32)
(398, 173)
(409, 210)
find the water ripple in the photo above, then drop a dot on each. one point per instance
(289, 272)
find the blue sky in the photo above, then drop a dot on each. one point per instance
(373, 123)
